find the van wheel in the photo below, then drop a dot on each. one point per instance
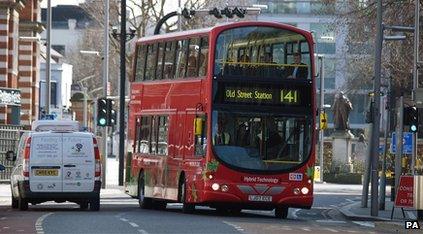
(144, 202)
(83, 205)
(281, 212)
(15, 203)
(22, 204)
(186, 207)
(95, 204)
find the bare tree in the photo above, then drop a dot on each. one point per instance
(360, 19)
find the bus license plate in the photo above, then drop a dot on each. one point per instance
(259, 198)
(46, 172)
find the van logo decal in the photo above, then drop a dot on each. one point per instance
(77, 147)
(40, 186)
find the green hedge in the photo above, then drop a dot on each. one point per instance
(343, 178)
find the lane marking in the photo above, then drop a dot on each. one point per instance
(349, 200)
(142, 231)
(331, 230)
(238, 228)
(39, 223)
(306, 229)
(124, 220)
(365, 224)
(133, 224)
(2, 218)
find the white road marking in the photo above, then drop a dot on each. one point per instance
(133, 224)
(238, 228)
(294, 213)
(411, 215)
(6, 227)
(329, 221)
(142, 231)
(365, 224)
(306, 229)
(124, 220)
(39, 223)
(2, 218)
(331, 230)
(349, 200)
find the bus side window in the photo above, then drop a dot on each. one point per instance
(168, 71)
(160, 60)
(204, 54)
(194, 49)
(140, 69)
(182, 58)
(151, 59)
(137, 138)
(163, 122)
(145, 135)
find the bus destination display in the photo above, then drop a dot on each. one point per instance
(257, 95)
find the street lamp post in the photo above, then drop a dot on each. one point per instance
(123, 37)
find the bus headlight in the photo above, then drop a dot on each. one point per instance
(224, 188)
(296, 191)
(304, 190)
(215, 186)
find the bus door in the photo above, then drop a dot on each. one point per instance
(174, 160)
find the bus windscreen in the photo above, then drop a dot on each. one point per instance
(262, 52)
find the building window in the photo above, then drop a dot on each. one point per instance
(324, 35)
(60, 49)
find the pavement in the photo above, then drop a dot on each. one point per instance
(383, 222)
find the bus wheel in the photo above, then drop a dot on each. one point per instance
(281, 212)
(144, 202)
(186, 207)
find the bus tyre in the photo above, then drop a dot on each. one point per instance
(15, 203)
(83, 205)
(281, 212)
(144, 202)
(187, 208)
(160, 205)
(95, 204)
(22, 203)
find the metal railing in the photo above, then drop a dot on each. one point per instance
(9, 138)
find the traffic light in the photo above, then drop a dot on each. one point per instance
(411, 118)
(102, 112)
(111, 114)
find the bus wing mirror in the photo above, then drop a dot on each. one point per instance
(198, 126)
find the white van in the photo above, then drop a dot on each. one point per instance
(58, 163)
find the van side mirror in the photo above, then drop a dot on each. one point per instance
(2, 167)
(10, 155)
(198, 126)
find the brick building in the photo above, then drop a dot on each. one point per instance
(20, 25)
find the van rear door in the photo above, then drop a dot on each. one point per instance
(78, 162)
(45, 163)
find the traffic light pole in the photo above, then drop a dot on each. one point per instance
(105, 81)
(322, 110)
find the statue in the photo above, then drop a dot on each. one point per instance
(341, 110)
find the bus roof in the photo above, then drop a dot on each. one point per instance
(203, 31)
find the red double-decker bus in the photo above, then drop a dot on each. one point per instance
(224, 117)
